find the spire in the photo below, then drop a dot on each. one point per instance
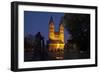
(51, 20)
(61, 21)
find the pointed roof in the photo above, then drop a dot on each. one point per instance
(51, 19)
(61, 21)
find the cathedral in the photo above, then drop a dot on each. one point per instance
(56, 38)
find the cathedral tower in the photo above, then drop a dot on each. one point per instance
(51, 29)
(61, 31)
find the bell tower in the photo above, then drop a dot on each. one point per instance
(61, 31)
(51, 29)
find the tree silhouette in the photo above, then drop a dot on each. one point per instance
(78, 26)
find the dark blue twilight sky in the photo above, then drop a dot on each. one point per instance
(39, 22)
